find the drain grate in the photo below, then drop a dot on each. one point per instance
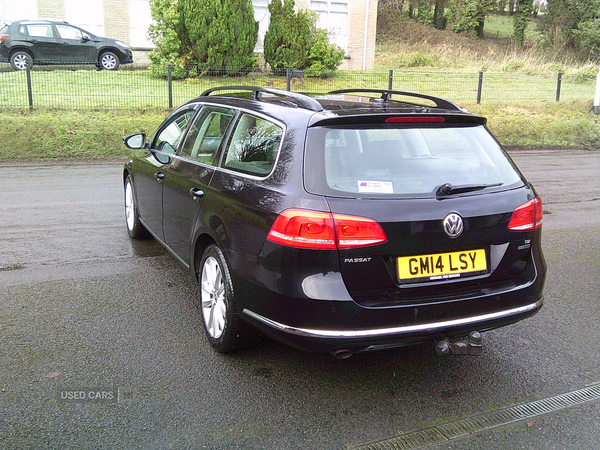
(480, 422)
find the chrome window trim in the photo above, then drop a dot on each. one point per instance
(218, 167)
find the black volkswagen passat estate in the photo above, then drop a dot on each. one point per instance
(350, 222)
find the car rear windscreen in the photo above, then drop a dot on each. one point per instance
(379, 160)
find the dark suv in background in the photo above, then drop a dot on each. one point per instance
(28, 42)
(354, 221)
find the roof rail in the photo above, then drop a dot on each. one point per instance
(386, 93)
(303, 101)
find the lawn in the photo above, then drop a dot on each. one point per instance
(501, 27)
(139, 90)
(82, 113)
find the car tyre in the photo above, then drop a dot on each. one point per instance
(109, 61)
(21, 60)
(135, 229)
(225, 331)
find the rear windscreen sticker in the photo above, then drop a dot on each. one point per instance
(376, 187)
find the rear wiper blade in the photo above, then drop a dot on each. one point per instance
(449, 189)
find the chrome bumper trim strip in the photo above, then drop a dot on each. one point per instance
(408, 329)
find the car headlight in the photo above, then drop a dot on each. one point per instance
(122, 44)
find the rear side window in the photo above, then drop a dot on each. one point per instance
(253, 146)
(40, 30)
(406, 162)
(4, 29)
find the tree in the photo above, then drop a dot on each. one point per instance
(398, 5)
(192, 33)
(439, 18)
(288, 37)
(167, 34)
(468, 16)
(425, 12)
(569, 22)
(521, 19)
(501, 7)
(587, 36)
(222, 33)
(511, 7)
(294, 41)
(323, 57)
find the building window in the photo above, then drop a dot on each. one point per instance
(139, 19)
(88, 15)
(262, 16)
(11, 10)
(333, 17)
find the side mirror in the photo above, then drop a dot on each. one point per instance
(162, 158)
(85, 38)
(135, 141)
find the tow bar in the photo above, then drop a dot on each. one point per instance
(473, 345)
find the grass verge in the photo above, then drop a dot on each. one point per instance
(46, 136)
(60, 135)
(569, 125)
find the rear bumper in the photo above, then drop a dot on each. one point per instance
(311, 309)
(328, 340)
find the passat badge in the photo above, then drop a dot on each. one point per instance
(453, 225)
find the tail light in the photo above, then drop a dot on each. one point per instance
(527, 216)
(3, 36)
(319, 230)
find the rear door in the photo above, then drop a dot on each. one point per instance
(395, 175)
(44, 45)
(248, 185)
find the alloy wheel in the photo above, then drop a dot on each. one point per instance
(214, 308)
(108, 61)
(129, 206)
(21, 61)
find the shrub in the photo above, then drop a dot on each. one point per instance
(222, 33)
(192, 33)
(294, 41)
(324, 58)
(167, 32)
(587, 36)
(288, 36)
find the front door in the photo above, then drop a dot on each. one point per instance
(154, 172)
(75, 45)
(189, 176)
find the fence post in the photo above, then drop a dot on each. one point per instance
(391, 80)
(597, 97)
(479, 87)
(558, 82)
(29, 88)
(288, 79)
(170, 83)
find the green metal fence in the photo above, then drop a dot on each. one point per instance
(84, 87)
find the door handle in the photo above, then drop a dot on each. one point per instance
(159, 176)
(196, 194)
